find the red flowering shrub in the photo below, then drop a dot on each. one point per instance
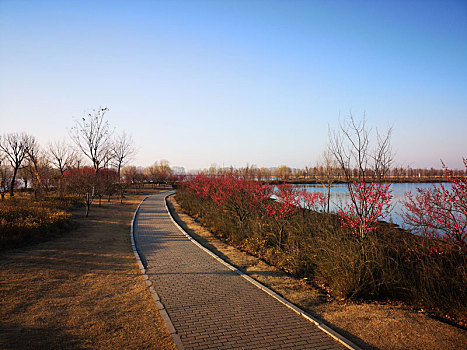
(440, 212)
(369, 202)
(276, 224)
(312, 200)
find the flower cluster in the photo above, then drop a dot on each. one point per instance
(243, 197)
(440, 212)
(369, 202)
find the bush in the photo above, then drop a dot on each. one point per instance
(23, 221)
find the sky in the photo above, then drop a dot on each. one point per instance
(240, 82)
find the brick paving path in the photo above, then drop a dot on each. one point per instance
(211, 306)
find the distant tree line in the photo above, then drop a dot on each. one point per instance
(91, 164)
(321, 172)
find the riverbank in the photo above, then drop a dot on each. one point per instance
(81, 289)
(371, 325)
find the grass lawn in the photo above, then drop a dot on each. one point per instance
(80, 290)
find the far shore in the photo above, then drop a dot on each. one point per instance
(341, 181)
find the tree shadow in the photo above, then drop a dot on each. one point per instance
(19, 337)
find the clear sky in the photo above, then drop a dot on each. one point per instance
(237, 82)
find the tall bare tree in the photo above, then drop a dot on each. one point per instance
(15, 147)
(350, 146)
(92, 134)
(123, 150)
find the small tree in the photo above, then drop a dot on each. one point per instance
(82, 182)
(15, 147)
(107, 181)
(370, 202)
(329, 173)
(369, 197)
(5, 176)
(130, 174)
(38, 166)
(123, 150)
(62, 156)
(285, 207)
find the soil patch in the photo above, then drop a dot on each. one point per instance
(369, 325)
(82, 290)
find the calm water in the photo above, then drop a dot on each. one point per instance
(340, 195)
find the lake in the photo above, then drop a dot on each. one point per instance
(340, 195)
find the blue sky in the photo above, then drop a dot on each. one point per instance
(237, 82)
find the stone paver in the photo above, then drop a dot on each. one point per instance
(211, 306)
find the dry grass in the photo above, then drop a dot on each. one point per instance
(370, 325)
(82, 290)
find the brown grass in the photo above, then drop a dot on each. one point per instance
(82, 290)
(370, 325)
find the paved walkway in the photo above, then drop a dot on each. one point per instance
(211, 306)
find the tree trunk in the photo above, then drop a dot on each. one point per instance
(13, 180)
(88, 203)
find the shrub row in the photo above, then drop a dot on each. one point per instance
(23, 221)
(388, 263)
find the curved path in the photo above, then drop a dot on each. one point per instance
(211, 306)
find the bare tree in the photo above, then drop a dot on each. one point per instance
(364, 170)
(35, 157)
(130, 174)
(5, 175)
(62, 156)
(350, 146)
(283, 172)
(122, 151)
(329, 175)
(92, 135)
(15, 147)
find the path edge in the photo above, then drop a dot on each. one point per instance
(162, 311)
(329, 331)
